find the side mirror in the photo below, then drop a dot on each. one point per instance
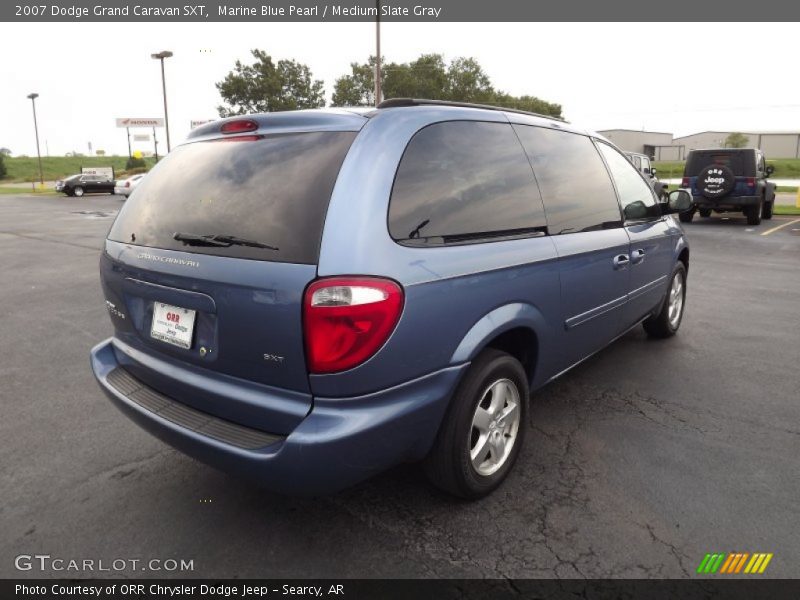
(635, 210)
(677, 201)
(769, 170)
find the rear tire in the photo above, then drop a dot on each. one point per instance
(705, 212)
(686, 216)
(766, 212)
(484, 427)
(666, 323)
(753, 213)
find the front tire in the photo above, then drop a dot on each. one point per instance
(666, 323)
(705, 212)
(78, 191)
(482, 432)
(766, 212)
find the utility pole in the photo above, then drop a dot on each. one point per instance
(161, 56)
(33, 96)
(378, 53)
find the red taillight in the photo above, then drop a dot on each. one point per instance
(239, 126)
(750, 181)
(127, 184)
(347, 319)
(685, 182)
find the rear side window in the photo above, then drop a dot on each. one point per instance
(274, 191)
(742, 164)
(576, 189)
(464, 181)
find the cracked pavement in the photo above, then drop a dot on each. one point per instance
(636, 463)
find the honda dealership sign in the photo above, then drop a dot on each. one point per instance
(131, 122)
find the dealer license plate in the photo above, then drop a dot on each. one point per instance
(173, 324)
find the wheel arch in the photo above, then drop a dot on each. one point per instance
(512, 328)
(684, 258)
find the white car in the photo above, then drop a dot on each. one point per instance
(126, 186)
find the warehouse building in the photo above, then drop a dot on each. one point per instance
(775, 144)
(643, 142)
(663, 146)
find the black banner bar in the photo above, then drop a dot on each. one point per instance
(416, 589)
(712, 11)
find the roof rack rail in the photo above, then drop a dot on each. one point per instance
(395, 102)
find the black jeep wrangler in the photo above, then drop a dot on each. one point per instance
(729, 180)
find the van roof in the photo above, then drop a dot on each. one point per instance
(354, 118)
(397, 102)
(325, 119)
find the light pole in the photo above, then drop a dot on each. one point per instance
(378, 53)
(161, 56)
(33, 96)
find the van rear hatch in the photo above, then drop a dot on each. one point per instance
(205, 268)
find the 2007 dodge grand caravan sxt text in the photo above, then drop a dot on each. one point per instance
(308, 298)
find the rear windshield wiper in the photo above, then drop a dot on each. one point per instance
(222, 241)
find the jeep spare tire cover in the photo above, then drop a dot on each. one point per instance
(715, 181)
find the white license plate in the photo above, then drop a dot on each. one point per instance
(172, 324)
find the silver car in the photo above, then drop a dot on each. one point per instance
(126, 186)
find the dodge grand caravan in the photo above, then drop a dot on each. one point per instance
(308, 298)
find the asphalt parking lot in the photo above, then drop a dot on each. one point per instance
(637, 463)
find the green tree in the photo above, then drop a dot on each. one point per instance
(466, 82)
(429, 77)
(267, 86)
(5, 152)
(425, 77)
(527, 103)
(736, 140)
(3, 169)
(358, 88)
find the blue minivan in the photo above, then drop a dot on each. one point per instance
(308, 298)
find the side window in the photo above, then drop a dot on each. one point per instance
(576, 189)
(646, 166)
(761, 165)
(637, 162)
(635, 194)
(461, 181)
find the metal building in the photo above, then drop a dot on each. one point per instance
(662, 146)
(775, 144)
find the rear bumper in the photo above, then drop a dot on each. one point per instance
(340, 442)
(734, 202)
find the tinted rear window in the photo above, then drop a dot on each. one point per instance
(463, 181)
(274, 191)
(742, 164)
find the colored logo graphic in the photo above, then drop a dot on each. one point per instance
(735, 562)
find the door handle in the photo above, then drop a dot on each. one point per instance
(621, 261)
(637, 256)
